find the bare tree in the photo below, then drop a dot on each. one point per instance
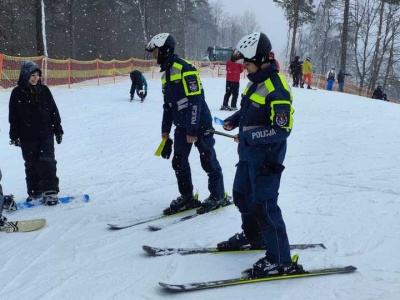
(345, 32)
(298, 13)
(141, 4)
(39, 28)
(249, 22)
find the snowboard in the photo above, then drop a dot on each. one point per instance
(62, 200)
(22, 226)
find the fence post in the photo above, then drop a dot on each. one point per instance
(114, 70)
(43, 67)
(69, 72)
(1, 65)
(98, 72)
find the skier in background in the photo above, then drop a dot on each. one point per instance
(378, 93)
(265, 122)
(272, 57)
(296, 70)
(139, 84)
(6, 202)
(307, 68)
(186, 108)
(233, 71)
(340, 78)
(330, 79)
(34, 121)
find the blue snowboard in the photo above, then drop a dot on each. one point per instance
(66, 199)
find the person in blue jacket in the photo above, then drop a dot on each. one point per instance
(186, 108)
(265, 121)
(139, 84)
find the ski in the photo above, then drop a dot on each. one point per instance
(191, 213)
(127, 224)
(248, 279)
(153, 251)
(22, 226)
(62, 200)
(189, 217)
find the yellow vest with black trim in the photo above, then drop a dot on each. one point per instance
(260, 113)
(184, 97)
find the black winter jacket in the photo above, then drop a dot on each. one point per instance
(33, 113)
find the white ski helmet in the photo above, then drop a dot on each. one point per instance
(161, 40)
(254, 47)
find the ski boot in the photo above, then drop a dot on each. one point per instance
(294, 267)
(35, 196)
(131, 98)
(264, 268)
(212, 203)
(182, 203)
(9, 203)
(3, 220)
(309, 87)
(50, 198)
(239, 241)
(225, 107)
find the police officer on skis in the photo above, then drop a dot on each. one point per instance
(186, 108)
(265, 122)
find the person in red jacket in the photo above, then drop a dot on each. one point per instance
(272, 57)
(233, 71)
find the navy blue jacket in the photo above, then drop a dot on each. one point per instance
(265, 117)
(184, 103)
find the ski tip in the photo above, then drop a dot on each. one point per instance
(113, 227)
(149, 250)
(350, 268)
(154, 227)
(322, 246)
(171, 288)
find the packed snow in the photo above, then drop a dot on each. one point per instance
(340, 187)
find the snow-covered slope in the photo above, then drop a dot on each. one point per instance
(340, 187)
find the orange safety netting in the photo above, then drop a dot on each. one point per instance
(70, 71)
(97, 72)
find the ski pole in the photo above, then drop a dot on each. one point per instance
(220, 133)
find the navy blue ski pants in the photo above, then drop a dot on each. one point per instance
(255, 193)
(209, 162)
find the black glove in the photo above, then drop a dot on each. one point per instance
(167, 150)
(59, 138)
(16, 142)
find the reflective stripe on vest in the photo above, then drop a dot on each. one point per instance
(187, 91)
(175, 73)
(265, 88)
(290, 117)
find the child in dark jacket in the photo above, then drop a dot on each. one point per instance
(139, 84)
(34, 121)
